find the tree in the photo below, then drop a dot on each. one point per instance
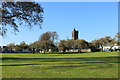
(23, 45)
(49, 36)
(81, 44)
(103, 42)
(91, 45)
(54, 36)
(117, 39)
(117, 35)
(73, 44)
(46, 45)
(34, 46)
(96, 43)
(17, 48)
(45, 36)
(16, 13)
(70, 44)
(106, 41)
(43, 45)
(11, 46)
(63, 46)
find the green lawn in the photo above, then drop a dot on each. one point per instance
(76, 65)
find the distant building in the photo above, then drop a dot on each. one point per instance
(111, 47)
(4, 49)
(74, 34)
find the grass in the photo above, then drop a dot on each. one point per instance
(54, 65)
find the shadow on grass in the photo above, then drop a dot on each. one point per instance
(59, 53)
(67, 60)
(19, 64)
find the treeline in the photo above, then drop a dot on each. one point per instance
(47, 43)
(82, 44)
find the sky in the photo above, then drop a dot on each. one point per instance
(93, 20)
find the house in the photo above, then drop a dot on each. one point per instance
(111, 48)
(116, 48)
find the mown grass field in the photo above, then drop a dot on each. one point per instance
(72, 65)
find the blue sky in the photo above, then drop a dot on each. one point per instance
(93, 20)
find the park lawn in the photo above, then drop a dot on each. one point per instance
(54, 65)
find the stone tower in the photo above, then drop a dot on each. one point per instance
(74, 34)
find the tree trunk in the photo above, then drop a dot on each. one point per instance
(44, 52)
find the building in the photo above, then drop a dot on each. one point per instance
(111, 48)
(74, 34)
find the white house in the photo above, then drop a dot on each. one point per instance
(113, 47)
(106, 48)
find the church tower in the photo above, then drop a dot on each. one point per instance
(74, 34)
